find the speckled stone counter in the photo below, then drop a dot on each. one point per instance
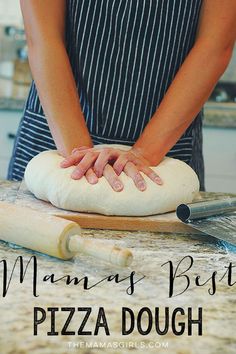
(151, 251)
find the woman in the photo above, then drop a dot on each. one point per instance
(128, 72)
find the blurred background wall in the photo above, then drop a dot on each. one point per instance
(10, 12)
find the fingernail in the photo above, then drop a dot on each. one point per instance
(158, 180)
(118, 186)
(93, 180)
(142, 186)
(63, 163)
(76, 175)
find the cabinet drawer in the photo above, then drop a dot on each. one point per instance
(219, 147)
(9, 122)
(220, 184)
(3, 168)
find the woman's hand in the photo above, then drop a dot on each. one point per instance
(109, 162)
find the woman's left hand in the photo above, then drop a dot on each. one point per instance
(91, 162)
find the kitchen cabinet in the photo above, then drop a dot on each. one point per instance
(219, 148)
(9, 122)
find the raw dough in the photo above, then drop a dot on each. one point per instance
(48, 181)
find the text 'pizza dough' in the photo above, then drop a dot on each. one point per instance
(48, 181)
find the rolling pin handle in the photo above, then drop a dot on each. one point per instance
(98, 249)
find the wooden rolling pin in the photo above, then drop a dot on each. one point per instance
(54, 236)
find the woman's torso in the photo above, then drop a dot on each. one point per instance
(124, 55)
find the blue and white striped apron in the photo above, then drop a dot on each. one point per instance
(124, 55)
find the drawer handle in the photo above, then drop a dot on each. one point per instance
(11, 136)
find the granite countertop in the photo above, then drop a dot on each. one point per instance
(222, 115)
(151, 250)
(12, 97)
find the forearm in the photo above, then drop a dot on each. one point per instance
(55, 83)
(184, 99)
